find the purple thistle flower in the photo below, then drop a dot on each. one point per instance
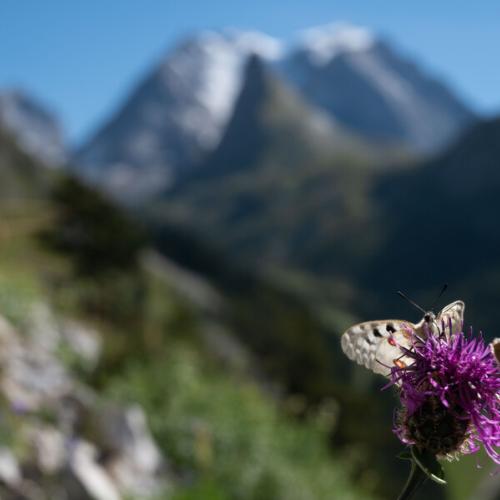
(450, 394)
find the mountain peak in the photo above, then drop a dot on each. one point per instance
(34, 127)
(369, 87)
(272, 125)
(211, 64)
(255, 42)
(244, 42)
(176, 115)
(323, 43)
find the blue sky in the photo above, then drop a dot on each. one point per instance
(82, 58)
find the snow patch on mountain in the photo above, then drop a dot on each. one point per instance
(208, 70)
(323, 43)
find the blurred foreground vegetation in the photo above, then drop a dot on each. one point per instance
(225, 432)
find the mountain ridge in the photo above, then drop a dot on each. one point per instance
(178, 114)
(33, 126)
(401, 102)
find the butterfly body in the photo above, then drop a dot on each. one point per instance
(377, 344)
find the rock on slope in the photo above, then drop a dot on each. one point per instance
(48, 413)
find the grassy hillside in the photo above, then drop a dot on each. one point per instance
(223, 428)
(362, 230)
(20, 176)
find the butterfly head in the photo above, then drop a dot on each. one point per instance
(432, 323)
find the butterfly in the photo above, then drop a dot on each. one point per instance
(377, 344)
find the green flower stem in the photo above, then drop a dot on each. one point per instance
(416, 479)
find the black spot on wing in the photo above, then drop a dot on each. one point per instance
(390, 328)
(376, 332)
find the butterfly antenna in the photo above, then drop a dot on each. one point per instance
(445, 286)
(414, 304)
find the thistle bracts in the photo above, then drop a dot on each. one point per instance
(450, 395)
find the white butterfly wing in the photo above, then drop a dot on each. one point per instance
(453, 312)
(495, 349)
(377, 344)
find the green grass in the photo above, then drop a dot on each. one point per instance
(24, 265)
(230, 440)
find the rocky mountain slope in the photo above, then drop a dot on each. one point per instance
(36, 129)
(272, 126)
(46, 407)
(21, 176)
(364, 83)
(175, 115)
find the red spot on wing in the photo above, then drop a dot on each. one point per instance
(392, 341)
